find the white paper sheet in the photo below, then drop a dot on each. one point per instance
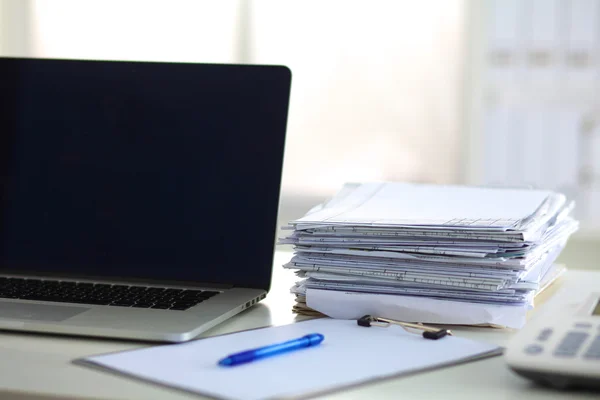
(499, 297)
(352, 305)
(350, 354)
(349, 305)
(419, 204)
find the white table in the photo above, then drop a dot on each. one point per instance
(40, 366)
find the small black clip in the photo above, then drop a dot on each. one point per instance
(365, 321)
(435, 335)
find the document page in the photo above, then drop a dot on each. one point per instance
(411, 204)
(350, 354)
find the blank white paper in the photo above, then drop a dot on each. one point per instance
(350, 354)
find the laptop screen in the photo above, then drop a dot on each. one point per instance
(150, 171)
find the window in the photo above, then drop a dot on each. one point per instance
(376, 89)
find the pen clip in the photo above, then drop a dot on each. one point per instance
(428, 331)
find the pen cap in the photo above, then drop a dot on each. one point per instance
(314, 338)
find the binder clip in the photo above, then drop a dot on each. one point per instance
(428, 331)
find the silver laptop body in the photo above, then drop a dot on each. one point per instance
(139, 199)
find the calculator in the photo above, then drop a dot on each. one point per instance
(560, 350)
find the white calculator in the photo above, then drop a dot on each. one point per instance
(560, 350)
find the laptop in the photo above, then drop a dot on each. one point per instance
(138, 200)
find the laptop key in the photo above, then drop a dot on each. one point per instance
(131, 297)
(190, 292)
(187, 303)
(143, 305)
(43, 298)
(148, 299)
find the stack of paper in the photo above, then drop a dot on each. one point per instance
(439, 254)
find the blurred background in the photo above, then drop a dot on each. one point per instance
(487, 92)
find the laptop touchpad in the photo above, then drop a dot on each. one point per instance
(38, 312)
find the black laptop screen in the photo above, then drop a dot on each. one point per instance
(158, 171)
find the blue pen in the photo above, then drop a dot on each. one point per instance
(309, 340)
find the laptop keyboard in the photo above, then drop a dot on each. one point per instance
(102, 294)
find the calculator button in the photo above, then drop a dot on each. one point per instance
(593, 351)
(571, 344)
(584, 325)
(544, 334)
(534, 349)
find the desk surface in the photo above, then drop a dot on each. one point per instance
(40, 366)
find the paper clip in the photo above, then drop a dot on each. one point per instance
(428, 331)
